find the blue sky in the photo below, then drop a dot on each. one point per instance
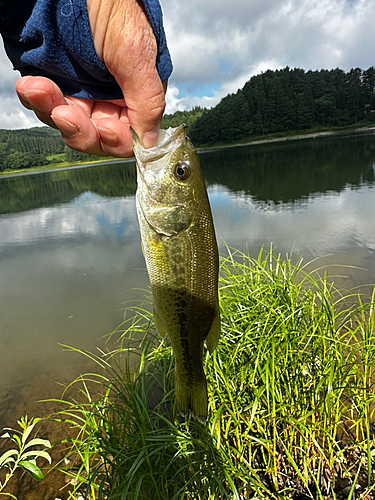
(191, 89)
(216, 46)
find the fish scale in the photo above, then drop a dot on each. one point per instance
(180, 250)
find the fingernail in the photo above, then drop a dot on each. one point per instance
(23, 100)
(150, 139)
(108, 136)
(39, 100)
(68, 129)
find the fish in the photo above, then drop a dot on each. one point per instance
(181, 254)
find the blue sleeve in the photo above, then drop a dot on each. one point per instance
(52, 38)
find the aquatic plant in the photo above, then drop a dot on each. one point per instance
(24, 456)
(291, 398)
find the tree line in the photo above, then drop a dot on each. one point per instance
(34, 147)
(278, 101)
(28, 147)
(285, 100)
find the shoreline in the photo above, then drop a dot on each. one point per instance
(297, 137)
(73, 166)
(94, 163)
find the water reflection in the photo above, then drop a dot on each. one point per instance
(69, 258)
(322, 225)
(274, 173)
(293, 170)
(23, 193)
(87, 215)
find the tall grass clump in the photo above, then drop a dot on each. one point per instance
(290, 395)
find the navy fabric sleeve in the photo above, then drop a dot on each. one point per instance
(53, 38)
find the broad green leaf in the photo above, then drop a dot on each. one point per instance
(32, 469)
(37, 453)
(27, 433)
(5, 456)
(36, 441)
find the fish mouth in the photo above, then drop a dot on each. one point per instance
(169, 140)
(155, 160)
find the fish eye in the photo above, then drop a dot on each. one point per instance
(182, 171)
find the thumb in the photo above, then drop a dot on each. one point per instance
(133, 65)
(125, 42)
(145, 101)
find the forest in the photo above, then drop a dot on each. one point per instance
(27, 148)
(281, 101)
(35, 147)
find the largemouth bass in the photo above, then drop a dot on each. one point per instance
(180, 249)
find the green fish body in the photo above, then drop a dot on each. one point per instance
(180, 249)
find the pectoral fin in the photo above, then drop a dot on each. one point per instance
(159, 324)
(214, 333)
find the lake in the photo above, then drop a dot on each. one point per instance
(71, 260)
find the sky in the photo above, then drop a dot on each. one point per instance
(218, 45)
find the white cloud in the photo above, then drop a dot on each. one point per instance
(174, 103)
(13, 115)
(219, 44)
(255, 36)
(8, 76)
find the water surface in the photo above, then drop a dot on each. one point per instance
(70, 255)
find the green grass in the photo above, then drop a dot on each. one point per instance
(56, 158)
(290, 395)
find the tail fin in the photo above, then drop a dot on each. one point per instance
(192, 399)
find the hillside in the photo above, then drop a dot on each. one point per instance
(28, 147)
(278, 101)
(283, 101)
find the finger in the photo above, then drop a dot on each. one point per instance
(77, 130)
(105, 109)
(115, 137)
(40, 95)
(112, 124)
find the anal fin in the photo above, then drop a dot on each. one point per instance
(214, 334)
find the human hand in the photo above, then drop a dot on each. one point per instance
(125, 42)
